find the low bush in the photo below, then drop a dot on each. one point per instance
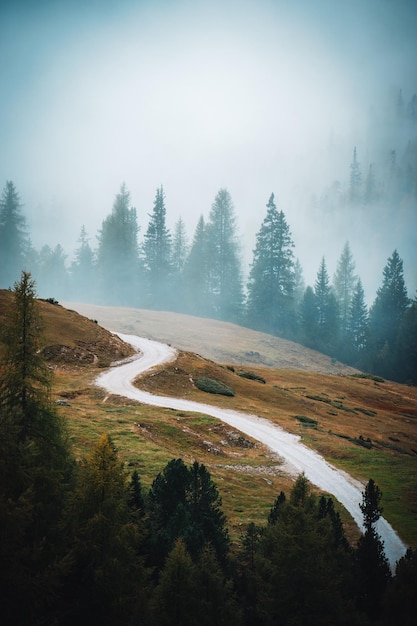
(307, 421)
(213, 386)
(252, 376)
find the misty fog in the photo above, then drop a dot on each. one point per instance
(253, 96)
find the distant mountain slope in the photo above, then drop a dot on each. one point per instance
(222, 342)
(69, 337)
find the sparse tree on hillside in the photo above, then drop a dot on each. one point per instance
(224, 271)
(118, 268)
(157, 256)
(13, 238)
(271, 285)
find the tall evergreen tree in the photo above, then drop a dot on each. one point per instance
(344, 282)
(385, 317)
(35, 469)
(196, 273)
(301, 571)
(299, 284)
(117, 256)
(357, 324)
(372, 571)
(83, 270)
(179, 257)
(271, 283)
(327, 312)
(106, 571)
(406, 356)
(308, 319)
(53, 278)
(184, 502)
(157, 255)
(224, 276)
(13, 238)
(176, 597)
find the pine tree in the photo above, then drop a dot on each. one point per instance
(104, 538)
(117, 255)
(385, 318)
(224, 272)
(271, 283)
(179, 256)
(308, 319)
(299, 284)
(327, 312)
(54, 278)
(175, 601)
(196, 273)
(343, 284)
(406, 356)
(157, 255)
(301, 573)
(372, 571)
(13, 238)
(207, 520)
(83, 270)
(357, 324)
(370, 505)
(184, 502)
(35, 469)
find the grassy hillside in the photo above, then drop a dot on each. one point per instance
(363, 425)
(219, 341)
(70, 338)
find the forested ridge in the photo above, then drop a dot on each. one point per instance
(84, 542)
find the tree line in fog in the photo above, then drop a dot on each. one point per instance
(204, 277)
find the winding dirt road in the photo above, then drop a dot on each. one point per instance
(297, 457)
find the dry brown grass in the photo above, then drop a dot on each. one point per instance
(347, 410)
(221, 342)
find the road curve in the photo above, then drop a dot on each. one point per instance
(298, 457)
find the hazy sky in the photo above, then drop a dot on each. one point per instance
(195, 95)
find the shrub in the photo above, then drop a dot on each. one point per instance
(214, 386)
(307, 421)
(252, 376)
